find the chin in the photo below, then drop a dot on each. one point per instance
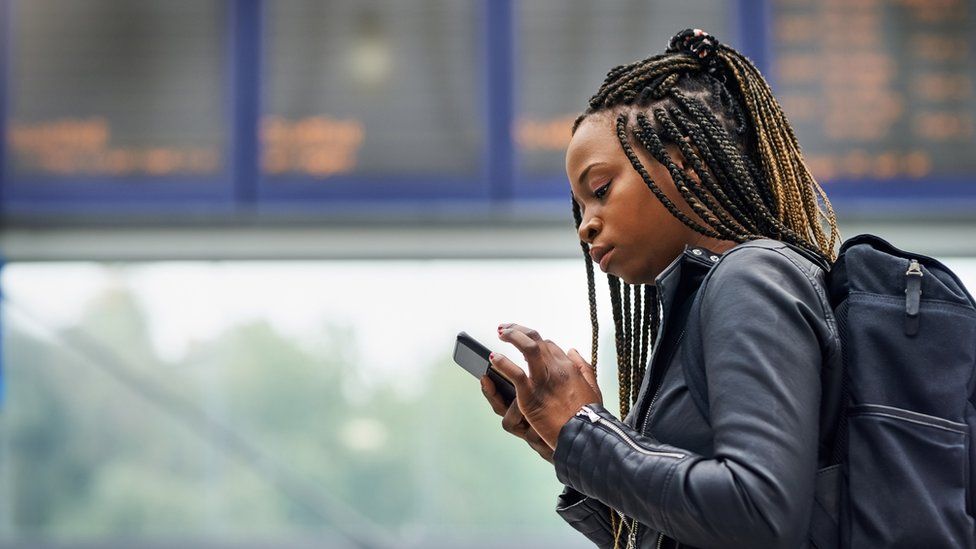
(636, 278)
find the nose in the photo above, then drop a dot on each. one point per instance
(588, 229)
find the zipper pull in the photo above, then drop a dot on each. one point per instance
(588, 412)
(913, 296)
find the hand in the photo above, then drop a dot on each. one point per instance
(556, 385)
(513, 421)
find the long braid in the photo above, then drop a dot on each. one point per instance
(591, 289)
(732, 216)
(639, 166)
(623, 372)
(637, 351)
(628, 320)
(751, 180)
(759, 180)
(650, 141)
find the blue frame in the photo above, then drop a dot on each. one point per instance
(554, 190)
(94, 195)
(299, 193)
(5, 41)
(935, 196)
(3, 303)
(241, 186)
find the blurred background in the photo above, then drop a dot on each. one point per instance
(238, 238)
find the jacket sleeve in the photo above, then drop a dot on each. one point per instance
(761, 322)
(587, 515)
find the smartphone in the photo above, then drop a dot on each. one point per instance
(473, 357)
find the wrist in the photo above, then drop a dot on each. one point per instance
(558, 428)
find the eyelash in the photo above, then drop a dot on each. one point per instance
(602, 191)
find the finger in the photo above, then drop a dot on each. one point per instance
(491, 393)
(536, 441)
(576, 357)
(514, 422)
(542, 449)
(530, 347)
(510, 371)
(554, 350)
(534, 335)
(588, 372)
(539, 445)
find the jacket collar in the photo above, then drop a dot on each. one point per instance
(691, 265)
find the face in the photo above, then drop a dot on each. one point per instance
(619, 210)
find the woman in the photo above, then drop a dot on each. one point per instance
(690, 192)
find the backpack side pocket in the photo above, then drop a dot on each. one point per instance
(908, 477)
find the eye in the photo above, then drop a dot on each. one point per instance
(602, 191)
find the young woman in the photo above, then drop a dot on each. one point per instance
(690, 192)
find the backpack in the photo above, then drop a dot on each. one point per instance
(902, 466)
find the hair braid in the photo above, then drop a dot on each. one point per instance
(641, 340)
(649, 139)
(591, 289)
(730, 211)
(635, 161)
(623, 373)
(747, 179)
(628, 321)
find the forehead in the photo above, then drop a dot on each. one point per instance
(595, 140)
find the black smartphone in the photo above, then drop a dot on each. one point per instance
(473, 357)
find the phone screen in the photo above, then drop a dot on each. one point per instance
(473, 357)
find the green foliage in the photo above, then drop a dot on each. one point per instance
(252, 432)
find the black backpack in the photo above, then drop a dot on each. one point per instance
(902, 469)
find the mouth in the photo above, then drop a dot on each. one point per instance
(605, 260)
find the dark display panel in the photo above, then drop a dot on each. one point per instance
(564, 50)
(236, 105)
(372, 88)
(879, 90)
(107, 89)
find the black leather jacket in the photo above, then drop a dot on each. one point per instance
(747, 475)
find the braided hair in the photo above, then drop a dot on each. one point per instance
(713, 104)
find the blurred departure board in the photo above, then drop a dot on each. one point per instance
(372, 88)
(103, 88)
(565, 49)
(236, 105)
(878, 90)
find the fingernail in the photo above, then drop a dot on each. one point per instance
(491, 356)
(484, 386)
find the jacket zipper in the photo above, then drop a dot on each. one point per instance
(590, 414)
(660, 542)
(647, 413)
(657, 391)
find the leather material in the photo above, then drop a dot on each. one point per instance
(746, 475)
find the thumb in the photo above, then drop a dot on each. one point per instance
(587, 371)
(510, 371)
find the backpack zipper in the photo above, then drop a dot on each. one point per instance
(913, 296)
(590, 414)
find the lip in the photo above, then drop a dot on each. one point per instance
(599, 255)
(605, 260)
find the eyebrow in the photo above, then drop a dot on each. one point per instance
(586, 171)
(582, 177)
